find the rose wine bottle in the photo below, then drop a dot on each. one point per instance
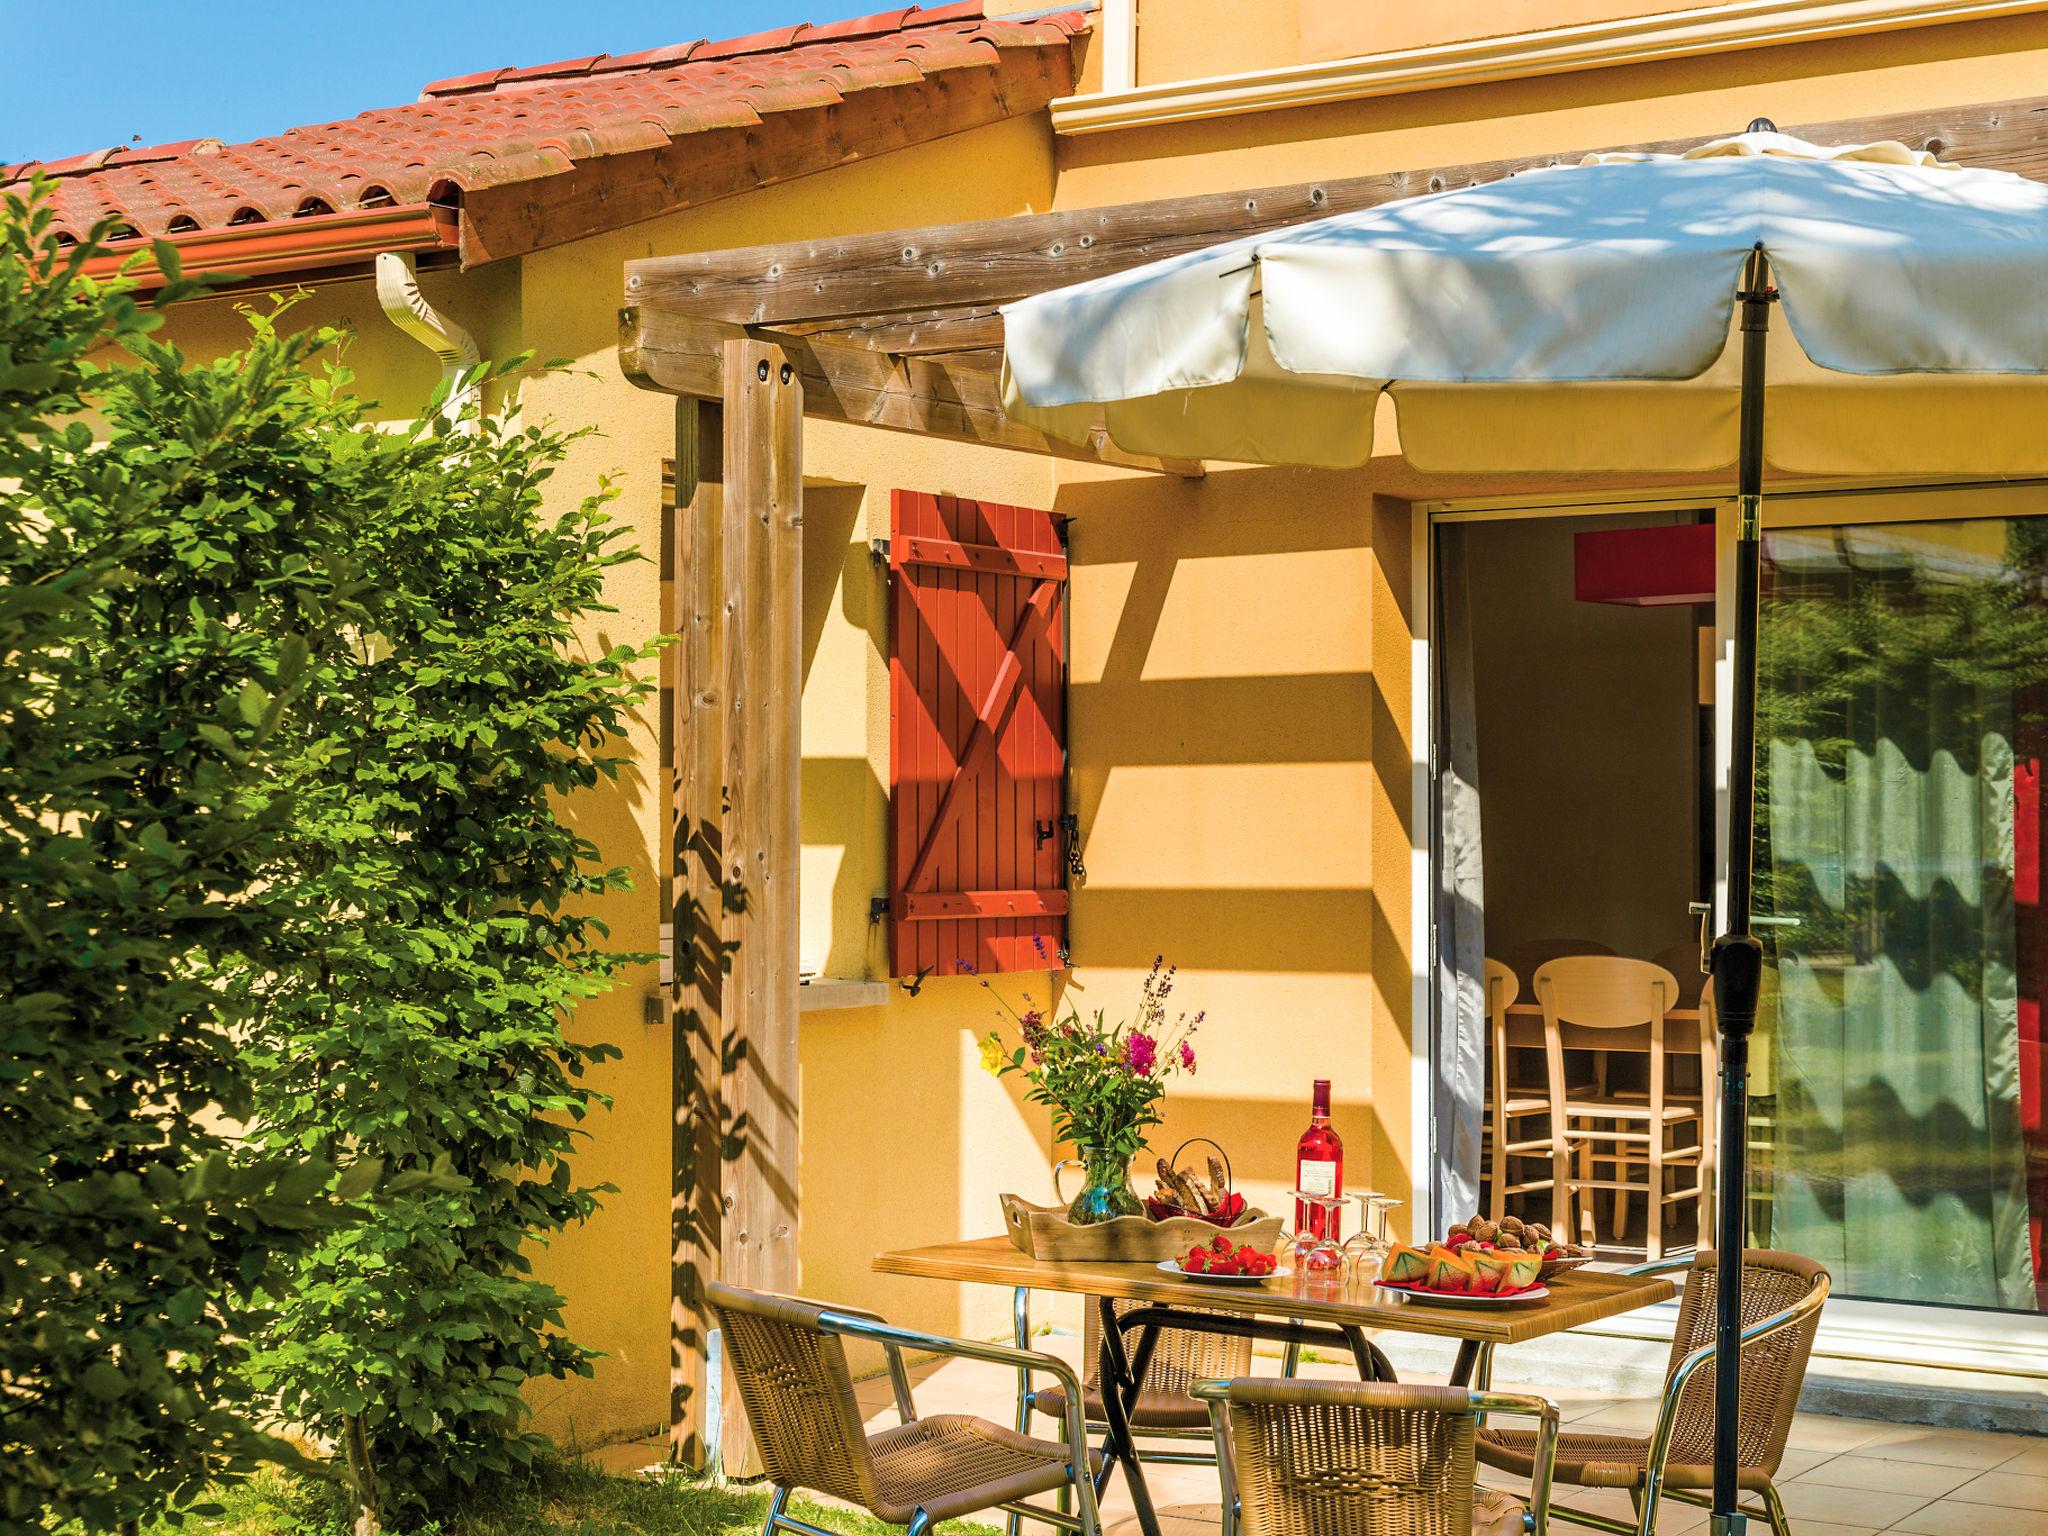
(1318, 1167)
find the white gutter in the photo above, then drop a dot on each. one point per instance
(398, 291)
(1726, 27)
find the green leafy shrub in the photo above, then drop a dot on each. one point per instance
(167, 582)
(448, 933)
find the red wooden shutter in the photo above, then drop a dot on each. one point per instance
(977, 736)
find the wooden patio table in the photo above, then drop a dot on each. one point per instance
(1273, 1311)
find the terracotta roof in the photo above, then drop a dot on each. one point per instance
(796, 99)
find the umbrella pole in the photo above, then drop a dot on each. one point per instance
(1737, 960)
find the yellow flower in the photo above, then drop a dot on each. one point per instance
(992, 1057)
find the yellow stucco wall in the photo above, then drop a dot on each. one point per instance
(1199, 39)
(1241, 730)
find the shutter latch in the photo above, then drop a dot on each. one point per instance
(1070, 824)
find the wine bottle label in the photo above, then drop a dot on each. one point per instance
(1318, 1178)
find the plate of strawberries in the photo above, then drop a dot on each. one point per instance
(1220, 1259)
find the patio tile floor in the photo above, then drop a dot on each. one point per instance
(1841, 1477)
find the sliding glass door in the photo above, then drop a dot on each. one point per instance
(1903, 721)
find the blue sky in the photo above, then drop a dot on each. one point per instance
(83, 77)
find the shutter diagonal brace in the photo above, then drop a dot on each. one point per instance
(988, 724)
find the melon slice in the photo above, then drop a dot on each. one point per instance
(1449, 1270)
(1489, 1272)
(1405, 1265)
(1524, 1269)
(1505, 1272)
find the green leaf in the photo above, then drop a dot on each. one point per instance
(359, 1178)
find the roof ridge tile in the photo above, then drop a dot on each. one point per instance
(774, 40)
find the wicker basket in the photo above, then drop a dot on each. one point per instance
(1044, 1232)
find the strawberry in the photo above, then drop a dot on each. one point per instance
(1220, 1243)
(1197, 1261)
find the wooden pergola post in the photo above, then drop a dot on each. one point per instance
(739, 687)
(697, 1002)
(763, 574)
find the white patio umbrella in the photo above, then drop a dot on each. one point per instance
(1894, 321)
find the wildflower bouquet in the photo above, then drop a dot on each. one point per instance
(1102, 1082)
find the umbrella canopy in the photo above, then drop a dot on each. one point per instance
(1893, 314)
(1910, 337)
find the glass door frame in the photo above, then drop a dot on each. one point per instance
(1922, 1334)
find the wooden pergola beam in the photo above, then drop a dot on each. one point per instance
(979, 265)
(956, 396)
(964, 328)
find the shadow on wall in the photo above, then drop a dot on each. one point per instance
(1224, 716)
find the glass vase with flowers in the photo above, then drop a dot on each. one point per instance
(1102, 1080)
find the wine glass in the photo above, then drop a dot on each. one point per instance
(1367, 1247)
(1318, 1258)
(1382, 1206)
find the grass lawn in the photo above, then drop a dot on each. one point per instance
(565, 1498)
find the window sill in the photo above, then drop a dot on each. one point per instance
(820, 994)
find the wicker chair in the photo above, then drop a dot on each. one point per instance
(1782, 1296)
(790, 1365)
(1343, 1458)
(1180, 1358)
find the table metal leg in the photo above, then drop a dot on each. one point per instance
(1372, 1364)
(1474, 1364)
(1121, 1379)
(1013, 1524)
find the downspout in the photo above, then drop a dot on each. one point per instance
(398, 291)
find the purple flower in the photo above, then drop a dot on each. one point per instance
(1034, 1034)
(1187, 1057)
(1141, 1053)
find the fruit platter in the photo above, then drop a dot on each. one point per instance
(1480, 1263)
(1220, 1259)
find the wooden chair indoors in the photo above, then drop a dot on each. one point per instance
(789, 1361)
(1603, 1002)
(1353, 1458)
(1516, 1128)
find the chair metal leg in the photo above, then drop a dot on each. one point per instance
(776, 1506)
(1774, 1511)
(1647, 1499)
(920, 1522)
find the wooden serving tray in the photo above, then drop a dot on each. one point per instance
(1043, 1232)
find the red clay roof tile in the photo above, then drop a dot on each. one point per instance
(862, 26)
(504, 125)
